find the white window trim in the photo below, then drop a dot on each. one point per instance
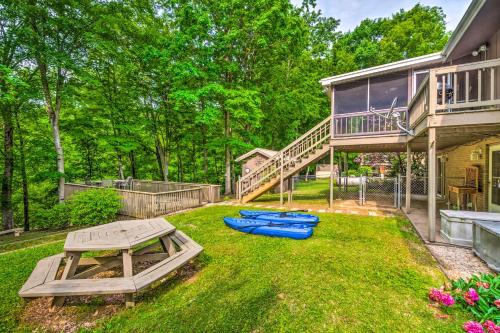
(414, 80)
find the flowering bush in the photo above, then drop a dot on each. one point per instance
(439, 296)
(480, 295)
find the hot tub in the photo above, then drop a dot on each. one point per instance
(456, 225)
(487, 242)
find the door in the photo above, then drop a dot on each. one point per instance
(494, 179)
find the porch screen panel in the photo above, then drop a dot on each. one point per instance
(419, 79)
(384, 89)
(351, 97)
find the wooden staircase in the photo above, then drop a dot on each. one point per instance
(309, 148)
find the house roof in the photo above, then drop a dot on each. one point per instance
(478, 24)
(405, 64)
(266, 152)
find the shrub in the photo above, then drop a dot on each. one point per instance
(480, 295)
(93, 207)
(365, 170)
(57, 217)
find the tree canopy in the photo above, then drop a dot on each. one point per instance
(170, 89)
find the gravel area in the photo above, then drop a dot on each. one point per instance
(458, 262)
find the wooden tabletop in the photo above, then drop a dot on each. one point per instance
(119, 235)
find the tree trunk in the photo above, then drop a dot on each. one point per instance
(205, 155)
(159, 160)
(24, 177)
(133, 168)
(54, 122)
(162, 159)
(8, 144)
(227, 133)
(120, 165)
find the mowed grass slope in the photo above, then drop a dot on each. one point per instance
(356, 274)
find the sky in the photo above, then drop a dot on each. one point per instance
(352, 12)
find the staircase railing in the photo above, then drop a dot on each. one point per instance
(288, 156)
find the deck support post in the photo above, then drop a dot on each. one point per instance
(408, 178)
(332, 151)
(290, 191)
(281, 180)
(431, 159)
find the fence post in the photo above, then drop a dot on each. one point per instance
(396, 191)
(361, 190)
(399, 190)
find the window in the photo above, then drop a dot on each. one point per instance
(418, 78)
(351, 97)
(384, 89)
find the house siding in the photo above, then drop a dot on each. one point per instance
(458, 158)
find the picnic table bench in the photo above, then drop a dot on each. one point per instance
(122, 236)
(15, 231)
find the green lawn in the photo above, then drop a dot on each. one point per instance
(356, 274)
(311, 191)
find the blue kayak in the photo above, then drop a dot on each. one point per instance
(280, 217)
(266, 228)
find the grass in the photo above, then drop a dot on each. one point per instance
(29, 239)
(356, 274)
(307, 192)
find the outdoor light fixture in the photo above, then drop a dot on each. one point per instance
(476, 154)
(483, 48)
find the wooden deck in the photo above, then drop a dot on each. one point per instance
(123, 236)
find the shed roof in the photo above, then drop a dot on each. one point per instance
(266, 152)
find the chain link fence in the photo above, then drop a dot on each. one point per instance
(365, 190)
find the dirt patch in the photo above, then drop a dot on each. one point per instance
(84, 311)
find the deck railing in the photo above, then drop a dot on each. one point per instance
(210, 193)
(419, 105)
(145, 204)
(367, 123)
(459, 88)
(466, 87)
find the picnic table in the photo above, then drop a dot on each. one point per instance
(131, 241)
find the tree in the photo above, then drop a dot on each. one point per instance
(57, 46)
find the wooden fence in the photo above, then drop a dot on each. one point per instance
(210, 193)
(144, 204)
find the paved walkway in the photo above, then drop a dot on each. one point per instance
(345, 208)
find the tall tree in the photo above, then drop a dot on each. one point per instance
(57, 47)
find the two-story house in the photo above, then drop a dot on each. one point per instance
(448, 105)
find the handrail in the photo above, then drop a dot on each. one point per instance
(419, 91)
(290, 154)
(327, 119)
(468, 67)
(300, 138)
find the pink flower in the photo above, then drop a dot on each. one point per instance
(491, 327)
(497, 303)
(485, 285)
(473, 327)
(447, 299)
(471, 297)
(435, 295)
